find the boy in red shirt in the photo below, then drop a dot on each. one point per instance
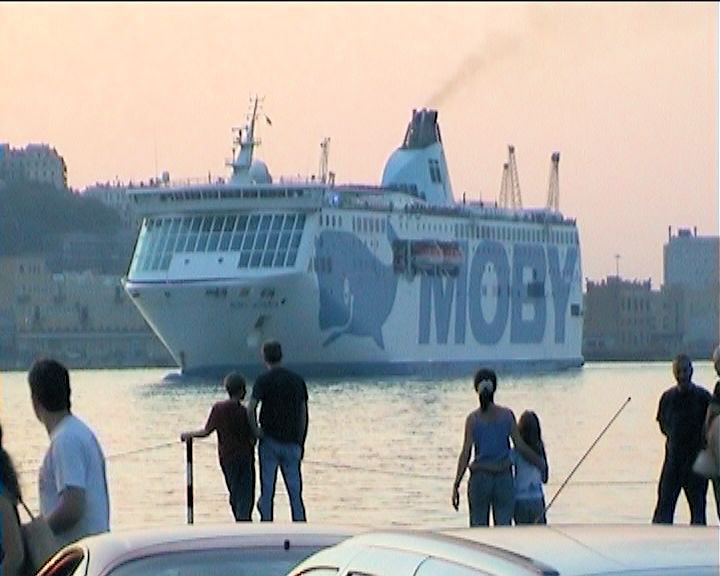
(236, 445)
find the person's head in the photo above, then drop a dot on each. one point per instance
(49, 385)
(8, 475)
(235, 385)
(682, 370)
(485, 383)
(716, 360)
(272, 352)
(529, 427)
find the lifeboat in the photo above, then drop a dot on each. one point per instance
(452, 257)
(426, 255)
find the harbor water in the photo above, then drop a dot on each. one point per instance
(380, 452)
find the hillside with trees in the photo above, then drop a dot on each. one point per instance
(34, 217)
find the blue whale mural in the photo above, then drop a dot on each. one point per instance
(357, 291)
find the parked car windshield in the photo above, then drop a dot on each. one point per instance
(218, 562)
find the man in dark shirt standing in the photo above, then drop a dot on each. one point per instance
(282, 395)
(681, 415)
(236, 445)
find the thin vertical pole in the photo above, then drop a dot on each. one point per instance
(189, 478)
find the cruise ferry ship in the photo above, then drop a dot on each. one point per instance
(355, 280)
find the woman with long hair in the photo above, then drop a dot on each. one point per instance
(12, 554)
(488, 431)
(529, 495)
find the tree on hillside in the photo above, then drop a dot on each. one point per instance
(33, 215)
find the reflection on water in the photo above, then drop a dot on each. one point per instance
(379, 452)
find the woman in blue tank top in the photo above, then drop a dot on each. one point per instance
(488, 431)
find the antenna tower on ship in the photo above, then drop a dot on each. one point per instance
(246, 141)
(553, 199)
(324, 155)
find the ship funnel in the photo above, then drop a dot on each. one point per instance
(420, 163)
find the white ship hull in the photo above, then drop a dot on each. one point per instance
(354, 281)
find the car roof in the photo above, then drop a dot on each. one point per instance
(115, 547)
(401, 552)
(576, 549)
(571, 550)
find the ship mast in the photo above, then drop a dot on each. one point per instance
(243, 160)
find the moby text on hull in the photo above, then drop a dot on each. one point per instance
(355, 279)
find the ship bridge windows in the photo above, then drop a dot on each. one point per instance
(261, 240)
(237, 238)
(227, 232)
(217, 228)
(182, 235)
(193, 235)
(434, 169)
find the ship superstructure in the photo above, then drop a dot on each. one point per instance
(355, 279)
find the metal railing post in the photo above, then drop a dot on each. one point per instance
(189, 478)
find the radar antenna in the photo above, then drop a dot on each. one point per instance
(553, 199)
(324, 155)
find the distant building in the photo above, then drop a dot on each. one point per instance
(34, 163)
(692, 265)
(98, 253)
(115, 196)
(628, 320)
(85, 319)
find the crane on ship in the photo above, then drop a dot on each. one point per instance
(553, 198)
(504, 187)
(510, 195)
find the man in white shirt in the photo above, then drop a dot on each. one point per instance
(72, 482)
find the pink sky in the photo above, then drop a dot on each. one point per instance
(628, 93)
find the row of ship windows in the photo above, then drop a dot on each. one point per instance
(223, 193)
(465, 231)
(262, 240)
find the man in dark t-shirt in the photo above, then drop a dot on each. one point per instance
(282, 396)
(681, 416)
(236, 445)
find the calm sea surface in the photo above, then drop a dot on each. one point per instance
(379, 452)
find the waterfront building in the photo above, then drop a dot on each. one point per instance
(34, 163)
(692, 264)
(116, 197)
(84, 319)
(99, 253)
(628, 320)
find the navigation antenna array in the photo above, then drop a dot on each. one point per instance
(324, 154)
(246, 145)
(510, 196)
(553, 199)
